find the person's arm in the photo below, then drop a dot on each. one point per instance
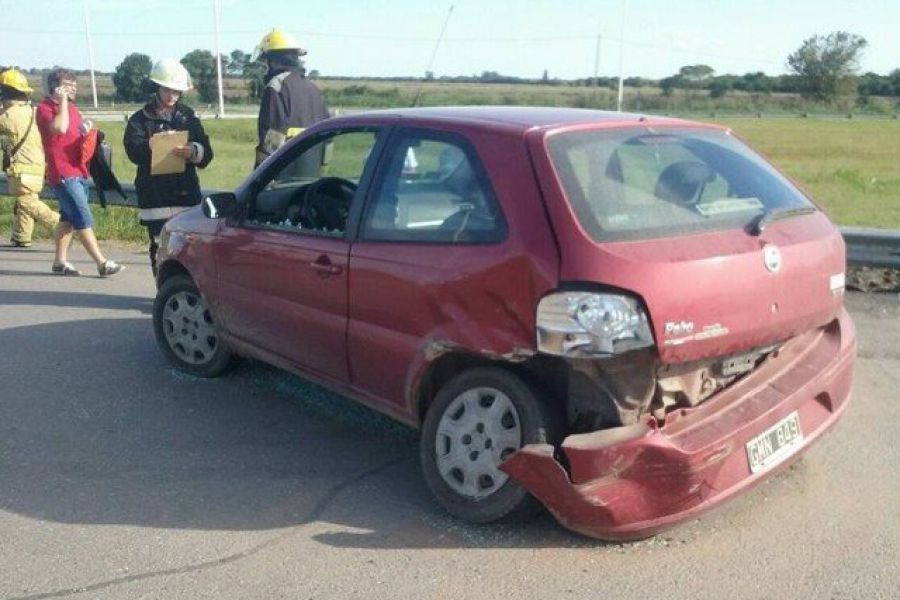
(136, 142)
(202, 153)
(6, 133)
(60, 123)
(273, 121)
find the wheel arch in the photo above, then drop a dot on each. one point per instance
(545, 374)
(169, 269)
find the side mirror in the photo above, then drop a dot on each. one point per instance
(220, 205)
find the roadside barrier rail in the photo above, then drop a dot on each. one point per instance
(866, 247)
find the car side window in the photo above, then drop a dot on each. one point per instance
(433, 189)
(312, 192)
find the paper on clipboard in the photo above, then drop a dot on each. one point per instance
(162, 160)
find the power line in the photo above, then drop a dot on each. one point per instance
(388, 38)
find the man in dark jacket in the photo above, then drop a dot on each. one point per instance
(161, 197)
(290, 102)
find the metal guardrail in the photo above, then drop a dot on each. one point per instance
(112, 198)
(866, 247)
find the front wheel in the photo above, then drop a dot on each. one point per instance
(185, 331)
(476, 422)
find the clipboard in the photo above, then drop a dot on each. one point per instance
(162, 160)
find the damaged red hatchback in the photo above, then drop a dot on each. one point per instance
(630, 319)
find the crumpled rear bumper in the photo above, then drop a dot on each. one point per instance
(631, 482)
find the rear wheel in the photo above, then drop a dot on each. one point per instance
(185, 330)
(477, 420)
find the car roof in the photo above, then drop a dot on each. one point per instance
(519, 117)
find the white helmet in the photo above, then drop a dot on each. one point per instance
(170, 73)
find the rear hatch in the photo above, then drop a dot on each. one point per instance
(725, 252)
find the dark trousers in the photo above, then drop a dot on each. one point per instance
(154, 228)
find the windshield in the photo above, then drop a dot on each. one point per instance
(628, 184)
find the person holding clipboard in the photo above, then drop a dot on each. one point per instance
(166, 141)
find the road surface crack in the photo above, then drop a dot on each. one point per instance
(317, 511)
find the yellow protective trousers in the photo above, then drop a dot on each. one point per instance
(29, 207)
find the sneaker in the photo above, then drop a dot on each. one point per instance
(109, 268)
(18, 244)
(65, 268)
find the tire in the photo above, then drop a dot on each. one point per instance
(463, 441)
(196, 347)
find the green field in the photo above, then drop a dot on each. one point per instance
(850, 166)
(369, 93)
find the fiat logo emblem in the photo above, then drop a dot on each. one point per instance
(772, 258)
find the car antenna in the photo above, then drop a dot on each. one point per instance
(433, 56)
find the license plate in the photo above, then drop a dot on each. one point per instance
(775, 444)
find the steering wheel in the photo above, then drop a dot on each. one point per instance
(326, 203)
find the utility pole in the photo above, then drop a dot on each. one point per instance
(90, 46)
(221, 112)
(437, 45)
(622, 56)
(597, 66)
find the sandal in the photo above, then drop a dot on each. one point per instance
(65, 268)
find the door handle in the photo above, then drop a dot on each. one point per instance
(324, 266)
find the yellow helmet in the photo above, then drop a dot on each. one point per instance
(13, 78)
(276, 40)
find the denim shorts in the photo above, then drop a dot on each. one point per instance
(72, 194)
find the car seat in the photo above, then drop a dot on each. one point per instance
(683, 182)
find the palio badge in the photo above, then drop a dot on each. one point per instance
(683, 332)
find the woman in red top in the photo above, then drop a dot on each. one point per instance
(62, 132)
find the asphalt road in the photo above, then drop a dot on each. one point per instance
(121, 478)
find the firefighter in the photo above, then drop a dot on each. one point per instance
(161, 197)
(23, 158)
(290, 102)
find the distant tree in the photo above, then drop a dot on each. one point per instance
(668, 84)
(545, 78)
(201, 64)
(719, 86)
(429, 75)
(755, 82)
(130, 78)
(894, 77)
(873, 84)
(237, 60)
(696, 75)
(255, 74)
(637, 82)
(314, 74)
(826, 65)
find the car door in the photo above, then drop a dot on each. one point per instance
(430, 254)
(283, 265)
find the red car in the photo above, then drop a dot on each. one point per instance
(628, 319)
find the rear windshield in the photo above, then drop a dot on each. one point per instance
(628, 184)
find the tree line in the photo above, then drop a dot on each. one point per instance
(823, 69)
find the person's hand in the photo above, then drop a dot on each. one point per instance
(61, 93)
(185, 152)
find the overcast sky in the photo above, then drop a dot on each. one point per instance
(513, 37)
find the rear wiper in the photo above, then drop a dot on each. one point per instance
(770, 216)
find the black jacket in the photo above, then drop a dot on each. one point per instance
(157, 193)
(289, 101)
(101, 171)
